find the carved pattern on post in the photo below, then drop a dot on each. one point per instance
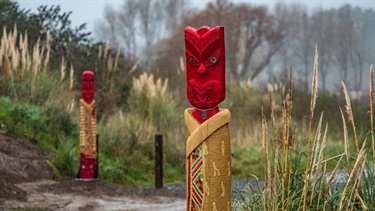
(207, 125)
(88, 142)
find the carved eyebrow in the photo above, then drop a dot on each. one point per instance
(192, 50)
(199, 44)
(209, 49)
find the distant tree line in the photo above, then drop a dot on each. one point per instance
(257, 40)
(344, 38)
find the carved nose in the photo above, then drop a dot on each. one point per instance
(202, 69)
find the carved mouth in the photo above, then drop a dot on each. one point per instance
(87, 95)
(204, 96)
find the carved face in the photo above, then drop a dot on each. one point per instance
(205, 66)
(87, 168)
(88, 86)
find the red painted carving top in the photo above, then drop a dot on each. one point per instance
(205, 65)
(88, 86)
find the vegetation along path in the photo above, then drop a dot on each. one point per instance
(26, 182)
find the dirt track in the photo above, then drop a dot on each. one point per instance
(26, 183)
(70, 195)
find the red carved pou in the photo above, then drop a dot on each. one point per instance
(88, 148)
(88, 86)
(205, 70)
(208, 150)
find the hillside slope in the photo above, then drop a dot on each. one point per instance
(20, 161)
(26, 182)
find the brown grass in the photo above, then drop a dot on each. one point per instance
(317, 185)
(268, 190)
(314, 95)
(349, 111)
(19, 66)
(352, 182)
(371, 87)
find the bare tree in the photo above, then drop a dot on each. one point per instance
(284, 16)
(344, 33)
(259, 35)
(323, 33)
(174, 11)
(359, 53)
(127, 27)
(306, 46)
(357, 60)
(107, 29)
(151, 20)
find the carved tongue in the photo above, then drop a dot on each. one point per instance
(203, 94)
(204, 114)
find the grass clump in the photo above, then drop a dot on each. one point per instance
(300, 178)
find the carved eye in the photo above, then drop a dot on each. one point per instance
(213, 59)
(191, 59)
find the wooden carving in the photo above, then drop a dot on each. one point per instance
(208, 150)
(87, 139)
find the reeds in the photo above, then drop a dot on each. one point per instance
(281, 191)
(314, 95)
(107, 66)
(352, 183)
(11, 55)
(346, 137)
(146, 83)
(25, 73)
(276, 146)
(8, 58)
(371, 87)
(286, 115)
(268, 187)
(349, 111)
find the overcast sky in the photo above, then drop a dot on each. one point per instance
(89, 11)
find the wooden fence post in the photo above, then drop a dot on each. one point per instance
(158, 161)
(97, 159)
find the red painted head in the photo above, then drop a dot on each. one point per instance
(88, 168)
(205, 66)
(88, 86)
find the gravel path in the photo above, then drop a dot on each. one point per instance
(71, 195)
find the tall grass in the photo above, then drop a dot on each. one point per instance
(296, 177)
(25, 72)
(130, 132)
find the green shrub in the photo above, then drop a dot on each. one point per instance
(5, 107)
(66, 156)
(27, 120)
(61, 122)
